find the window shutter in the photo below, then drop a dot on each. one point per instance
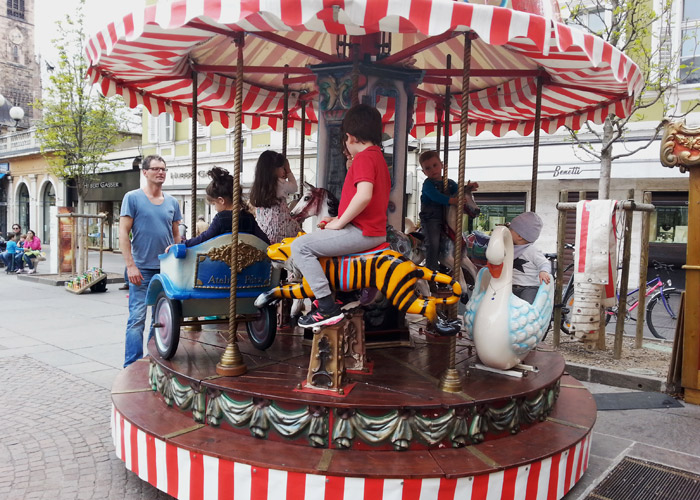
(152, 129)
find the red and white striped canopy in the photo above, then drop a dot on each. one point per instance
(149, 57)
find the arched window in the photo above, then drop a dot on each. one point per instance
(48, 200)
(23, 207)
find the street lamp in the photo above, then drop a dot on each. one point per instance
(16, 113)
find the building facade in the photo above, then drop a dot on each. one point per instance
(20, 84)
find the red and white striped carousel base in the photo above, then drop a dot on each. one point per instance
(186, 474)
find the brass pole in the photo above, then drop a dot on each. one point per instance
(450, 380)
(231, 363)
(446, 146)
(302, 145)
(193, 194)
(622, 304)
(285, 114)
(536, 149)
(439, 129)
(643, 266)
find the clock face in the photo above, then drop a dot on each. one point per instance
(16, 36)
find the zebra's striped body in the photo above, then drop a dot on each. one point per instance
(388, 271)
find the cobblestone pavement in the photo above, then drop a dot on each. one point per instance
(55, 438)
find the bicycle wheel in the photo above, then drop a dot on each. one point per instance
(567, 310)
(662, 313)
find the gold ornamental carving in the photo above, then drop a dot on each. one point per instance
(247, 255)
(680, 146)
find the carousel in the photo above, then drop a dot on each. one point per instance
(217, 417)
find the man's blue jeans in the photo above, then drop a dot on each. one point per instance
(137, 318)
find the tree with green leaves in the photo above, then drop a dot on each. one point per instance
(643, 31)
(79, 126)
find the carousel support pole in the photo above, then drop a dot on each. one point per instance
(626, 250)
(438, 132)
(536, 149)
(285, 113)
(231, 363)
(193, 194)
(450, 381)
(193, 184)
(446, 146)
(302, 145)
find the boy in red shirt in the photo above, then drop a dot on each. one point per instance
(361, 221)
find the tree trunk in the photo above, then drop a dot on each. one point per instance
(605, 161)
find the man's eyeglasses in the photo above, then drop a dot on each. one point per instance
(157, 169)
(15, 227)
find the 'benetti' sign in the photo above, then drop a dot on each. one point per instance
(566, 171)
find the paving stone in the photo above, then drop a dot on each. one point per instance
(59, 445)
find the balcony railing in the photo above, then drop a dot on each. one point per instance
(18, 141)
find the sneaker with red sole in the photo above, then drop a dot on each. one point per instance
(320, 318)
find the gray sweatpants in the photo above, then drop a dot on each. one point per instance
(307, 249)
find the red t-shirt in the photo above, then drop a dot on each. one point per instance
(368, 166)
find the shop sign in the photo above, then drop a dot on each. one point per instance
(187, 175)
(103, 185)
(560, 171)
(4, 168)
(112, 186)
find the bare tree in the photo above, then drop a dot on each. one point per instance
(644, 34)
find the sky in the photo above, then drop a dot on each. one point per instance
(98, 13)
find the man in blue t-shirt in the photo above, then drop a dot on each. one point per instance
(152, 218)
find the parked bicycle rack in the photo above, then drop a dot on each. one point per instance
(629, 206)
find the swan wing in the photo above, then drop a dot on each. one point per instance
(482, 279)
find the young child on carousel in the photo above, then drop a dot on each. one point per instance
(530, 266)
(220, 195)
(362, 218)
(434, 201)
(274, 182)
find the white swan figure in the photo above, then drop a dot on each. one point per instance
(504, 327)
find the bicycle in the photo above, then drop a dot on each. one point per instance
(660, 319)
(567, 292)
(662, 306)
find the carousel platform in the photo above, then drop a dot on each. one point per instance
(391, 434)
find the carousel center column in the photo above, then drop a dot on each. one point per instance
(388, 89)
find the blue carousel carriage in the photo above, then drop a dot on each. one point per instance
(194, 282)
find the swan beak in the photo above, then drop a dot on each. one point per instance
(495, 270)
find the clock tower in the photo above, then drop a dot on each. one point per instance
(20, 74)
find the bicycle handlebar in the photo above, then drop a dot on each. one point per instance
(660, 265)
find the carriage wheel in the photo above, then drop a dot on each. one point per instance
(262, 331)
(167, 317)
